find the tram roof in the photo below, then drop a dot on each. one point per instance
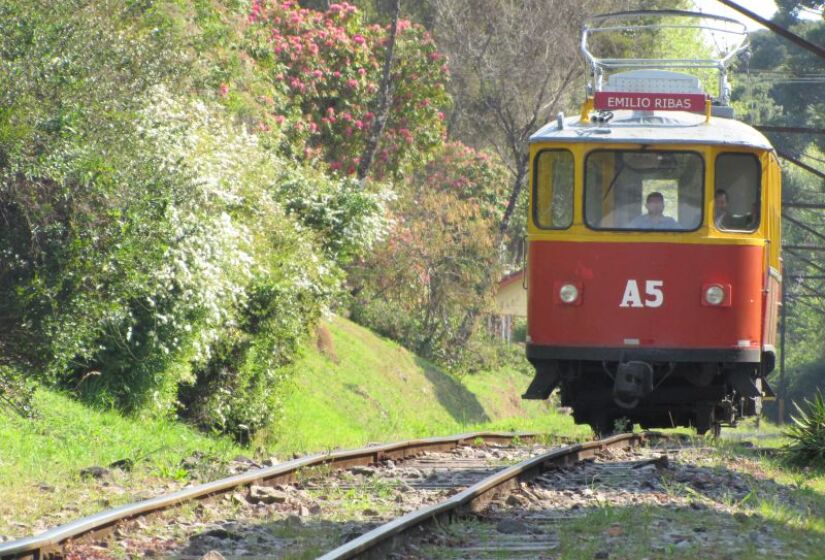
(654, 127)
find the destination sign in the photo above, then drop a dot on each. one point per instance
(617, 100)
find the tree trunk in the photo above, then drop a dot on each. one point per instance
(383, 102)
(518, 184)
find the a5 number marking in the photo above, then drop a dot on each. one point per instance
(654, 296)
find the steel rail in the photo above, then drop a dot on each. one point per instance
(679, 13)
(377, 542)
(662, 26)
(49, 543)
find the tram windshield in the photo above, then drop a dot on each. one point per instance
(643, 190)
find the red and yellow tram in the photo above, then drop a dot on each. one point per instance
(654, 257)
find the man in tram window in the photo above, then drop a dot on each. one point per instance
(720, 208)
(655, 218)
(727, 221)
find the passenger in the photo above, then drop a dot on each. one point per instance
(720, 208)
(655, 218)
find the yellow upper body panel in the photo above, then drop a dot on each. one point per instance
(767, 233)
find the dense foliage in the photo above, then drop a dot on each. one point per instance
(440, 257)
(177, 219)
(156, 252)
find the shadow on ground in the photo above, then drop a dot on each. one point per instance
(462, 405)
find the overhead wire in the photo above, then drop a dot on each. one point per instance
(778, 29)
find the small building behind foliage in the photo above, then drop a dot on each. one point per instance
(511, 305)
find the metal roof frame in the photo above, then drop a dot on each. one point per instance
(599, 65)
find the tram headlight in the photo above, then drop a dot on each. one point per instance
(714, 295)
(568, 293)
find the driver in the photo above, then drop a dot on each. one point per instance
(655, 218)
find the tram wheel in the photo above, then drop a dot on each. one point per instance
(603, 425)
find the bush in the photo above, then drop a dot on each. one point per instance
(434, 272)
(154, 249)
(808, 433)
(16, 393)
(237, 389)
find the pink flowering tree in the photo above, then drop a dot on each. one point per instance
(436, 264)
(469, 175)
(330, 64)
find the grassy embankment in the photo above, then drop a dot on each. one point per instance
(40, 461)
(356, 389)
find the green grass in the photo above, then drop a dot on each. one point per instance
(368, 389)
(361, 388)
(348, 502)
(766, 435)
(40, 460)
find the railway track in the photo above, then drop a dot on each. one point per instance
(623, 498)
(280, 508)
(474, 496)
(429, 532)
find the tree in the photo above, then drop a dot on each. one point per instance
(515, 65)
(437, 261)
(382, 101)
(343, 76)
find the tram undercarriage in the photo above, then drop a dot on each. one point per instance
(611, 396)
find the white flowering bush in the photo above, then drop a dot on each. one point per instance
(191, 263)
(348, 219)
(155, 255)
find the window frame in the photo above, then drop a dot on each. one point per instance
(702, 189)
(535, 212)
(759, 189)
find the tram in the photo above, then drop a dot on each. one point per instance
(653, 263)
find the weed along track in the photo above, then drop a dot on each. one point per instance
(298, 509)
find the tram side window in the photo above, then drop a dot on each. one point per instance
(643, 190)
(736, 192)
(553, 194)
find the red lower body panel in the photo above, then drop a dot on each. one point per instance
(645, 295)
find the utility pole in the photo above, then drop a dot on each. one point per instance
(782, 390)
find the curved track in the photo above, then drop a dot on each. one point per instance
(379, 542)
(51, 543)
